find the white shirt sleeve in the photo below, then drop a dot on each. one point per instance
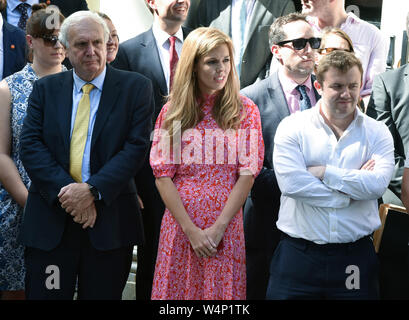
(364, 184)
(292, 176)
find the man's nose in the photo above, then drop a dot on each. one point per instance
(90, 49)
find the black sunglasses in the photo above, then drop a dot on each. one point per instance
(49, 40)
(300, 43)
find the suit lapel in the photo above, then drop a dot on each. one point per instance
(9, 53)
(153, 60)
(259, 11)
(223, 13)
(277, 97)
(64, 92)
(110, 93)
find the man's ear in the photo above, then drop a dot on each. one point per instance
(318, 87)
(274, 50)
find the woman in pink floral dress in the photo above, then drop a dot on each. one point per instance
(207, 150)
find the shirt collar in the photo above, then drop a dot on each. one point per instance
(13, 4)
(162, 36)
(289, 84)
(351, 19)
(98, 82)
(358, 116)
(1, 24)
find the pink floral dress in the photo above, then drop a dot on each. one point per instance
(204, 177)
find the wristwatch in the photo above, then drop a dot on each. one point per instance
(94, 192)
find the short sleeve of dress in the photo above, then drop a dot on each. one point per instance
(161, 159)
(251, 144)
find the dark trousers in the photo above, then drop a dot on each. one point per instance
(257, 272)
(54, 274)
(301, 269)
(152, 217)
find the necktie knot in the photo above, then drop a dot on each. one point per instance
(305, 102)
(172, 40)
(23, 7)
(86, 88)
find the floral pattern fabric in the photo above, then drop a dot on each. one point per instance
(204, 178)
(12, 270)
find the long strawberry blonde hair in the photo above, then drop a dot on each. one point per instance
(185, 97)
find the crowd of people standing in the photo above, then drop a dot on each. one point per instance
(244, 160)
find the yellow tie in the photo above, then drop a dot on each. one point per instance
(79, 134)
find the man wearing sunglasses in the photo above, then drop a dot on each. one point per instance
(288, 90)
(369, 44)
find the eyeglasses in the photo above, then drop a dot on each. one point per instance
(300, 43)
(325, 51)
(49, 40)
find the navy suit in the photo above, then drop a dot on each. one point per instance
(14, 49)
(262, 205)
(120, 141)
(140, 54)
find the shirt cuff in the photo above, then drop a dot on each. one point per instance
(333, 177)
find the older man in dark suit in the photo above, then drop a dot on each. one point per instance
(85, 136)
(247, 22)
(288, 90)
(154, 54)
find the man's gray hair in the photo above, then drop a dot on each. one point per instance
(76, 18)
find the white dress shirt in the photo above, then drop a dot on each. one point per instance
(343, 206)
(163, 44)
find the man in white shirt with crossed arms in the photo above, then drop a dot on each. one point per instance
(332, 163)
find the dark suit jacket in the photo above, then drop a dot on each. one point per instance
(389, 103)
(66, 6)
(120, 140)
(14, 49)
(256, 55)
(141, 54)
(261, 208)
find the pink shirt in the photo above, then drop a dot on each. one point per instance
(291, 94)
(370, 46)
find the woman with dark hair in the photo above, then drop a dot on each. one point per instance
(47, 54)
